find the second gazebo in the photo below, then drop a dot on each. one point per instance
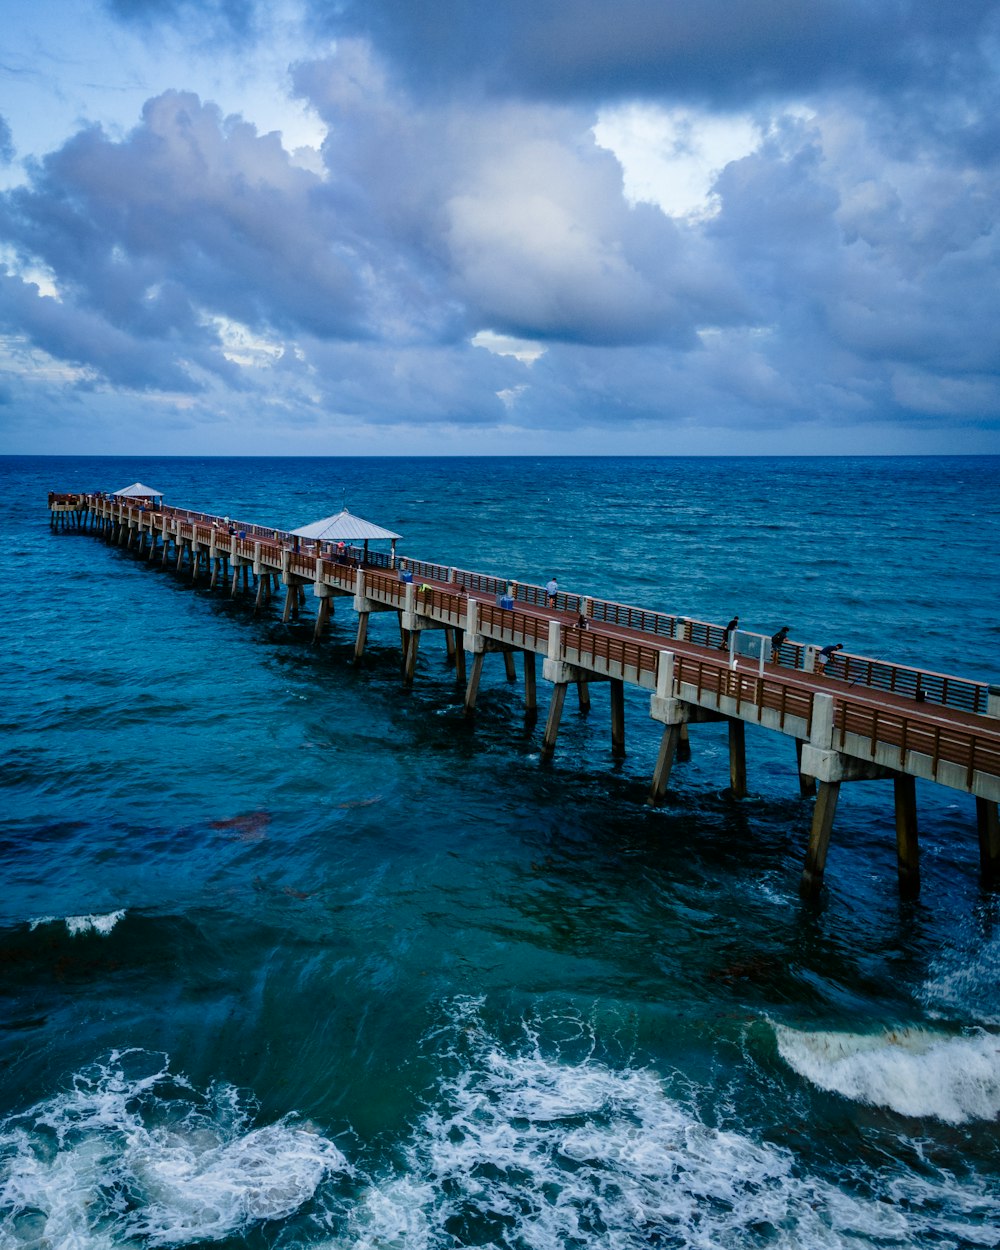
(349, 529)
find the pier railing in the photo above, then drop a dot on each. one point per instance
(479, 583)
(916, 683)
(640, 619)
(446, 606)
(611, 654)
(388, 586)
(236, 537)
(425, 569)
(712, 680)
(518, 628)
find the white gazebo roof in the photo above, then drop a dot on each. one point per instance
(344, 527)
(138, 491)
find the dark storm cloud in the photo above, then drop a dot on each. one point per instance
(377, 383)
(846, 270)
(87, 341)
(719, 52)
(202, 205)
(191, 216)
(511, 214)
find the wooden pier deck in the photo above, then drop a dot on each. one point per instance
(860, 719)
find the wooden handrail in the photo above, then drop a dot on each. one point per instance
(922, 685)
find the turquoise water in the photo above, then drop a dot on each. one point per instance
(295, 956)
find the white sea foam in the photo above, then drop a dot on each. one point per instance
(75, 925)
(527, 1150)
(517, 1146)
(122, 1159)
(914, 1072)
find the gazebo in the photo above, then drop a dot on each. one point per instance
(348, 529)
(138, 491)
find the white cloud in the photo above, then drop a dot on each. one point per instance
(671, 156)
(524, 350)
(242, 345)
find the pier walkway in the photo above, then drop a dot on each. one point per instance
(859, 719)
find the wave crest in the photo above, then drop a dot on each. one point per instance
(914, 1072)
(101, 924)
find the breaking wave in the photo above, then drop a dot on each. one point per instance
(76, 925)
(130, 1156)
(523, 1151)
(518, 1147)
(914, 1072)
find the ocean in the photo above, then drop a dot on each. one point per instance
(294, 955)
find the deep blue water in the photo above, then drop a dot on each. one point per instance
(294, 956)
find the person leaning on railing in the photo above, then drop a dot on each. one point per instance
(778, 641)
(825, 654)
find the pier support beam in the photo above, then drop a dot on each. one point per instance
(472, 689)
(555, 716)
(664, 763)
(907, 848)
(819, 839)
(412, 647)
(359, 642)
(460, 664)
(831, 768)
(291, 608)
(322, 612)
(617, 716)
(988, 823)
(738, 758)
(508, 664)
(674, 713)
(530, 686)
(561, 673)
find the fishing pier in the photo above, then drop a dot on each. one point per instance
(856, 719)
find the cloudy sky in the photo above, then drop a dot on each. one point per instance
(544, 226)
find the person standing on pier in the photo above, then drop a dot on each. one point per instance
(825, 654)
(551, 587)
(777, 642)
(733, 624)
